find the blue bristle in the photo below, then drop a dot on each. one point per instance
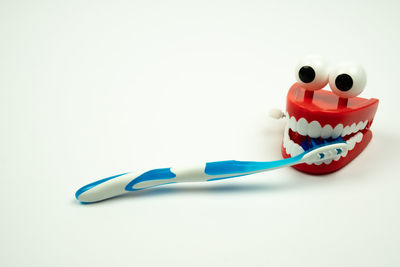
(313, 142)
(319, 141)
(307, 144)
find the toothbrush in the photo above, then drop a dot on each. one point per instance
(315, 151)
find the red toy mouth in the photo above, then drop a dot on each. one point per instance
(321, 117)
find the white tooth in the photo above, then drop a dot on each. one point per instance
(353, 128)
(302, 126)
(337, 131)
(296, 150)
(293, 123)
(365, 124)
(359, 125)
(289, 146)
(285, 136)
(353, 140)
(358, 137)
(300, 149)
(314, 129)
(350, 143)
(318, 163)
(326, 131)
(344, 152)
(337, 157)
(285, 142)
(327, 161)
(346, 131)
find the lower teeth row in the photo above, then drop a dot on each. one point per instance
(294, 149)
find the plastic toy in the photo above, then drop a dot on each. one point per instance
(324, 132)
(320, 114)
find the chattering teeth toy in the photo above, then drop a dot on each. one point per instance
(315, 115)
(324, 132)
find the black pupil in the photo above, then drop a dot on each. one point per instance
(344, 82)
(306, 74)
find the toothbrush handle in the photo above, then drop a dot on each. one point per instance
(126, 182)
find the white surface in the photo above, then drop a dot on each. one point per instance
(90, 89)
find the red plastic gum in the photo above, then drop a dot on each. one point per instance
(334, 116)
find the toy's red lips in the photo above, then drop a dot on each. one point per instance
(321, 117)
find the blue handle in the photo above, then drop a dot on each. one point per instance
(122, 183)
(235, 167)
(157, 174)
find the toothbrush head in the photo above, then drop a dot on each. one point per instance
(318, 151)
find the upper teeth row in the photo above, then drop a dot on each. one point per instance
(315, 130)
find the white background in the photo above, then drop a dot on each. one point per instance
(89, 89)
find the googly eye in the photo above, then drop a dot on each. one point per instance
(347, 80)
(312, 72)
